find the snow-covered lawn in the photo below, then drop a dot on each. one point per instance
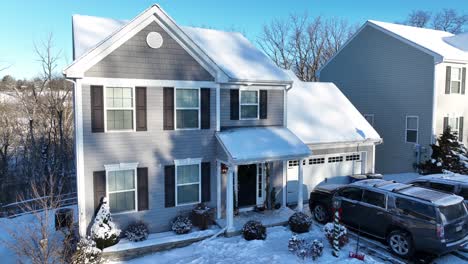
(237, 250)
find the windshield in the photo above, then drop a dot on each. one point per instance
(452, 212)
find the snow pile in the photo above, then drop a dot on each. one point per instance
(300, 222)
(254, 230)
(137, 232)
(181, 225)
(103, 230)
(303, 249)
(329, 232)
(86, 252)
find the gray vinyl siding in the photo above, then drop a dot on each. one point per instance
(275, 110)
(154, 149)
(136, 60)
(450, 104)
(390, 79)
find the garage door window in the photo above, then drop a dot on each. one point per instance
(316, 161)
(335, 159)
(353, 157)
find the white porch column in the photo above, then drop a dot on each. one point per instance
(218, 190)
(285, 183)
(300, 182)
(230, 198)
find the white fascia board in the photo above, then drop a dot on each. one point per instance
(327, 145)
(146, 82)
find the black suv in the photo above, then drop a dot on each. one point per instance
(409, 218)
(452, 183)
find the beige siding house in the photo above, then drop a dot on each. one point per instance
(409, 82)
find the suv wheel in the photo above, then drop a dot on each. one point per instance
(320, 213)
(400, 243)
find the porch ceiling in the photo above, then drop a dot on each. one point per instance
(261, 144)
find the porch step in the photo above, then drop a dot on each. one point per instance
(126, 250)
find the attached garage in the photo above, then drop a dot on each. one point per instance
(340, 138)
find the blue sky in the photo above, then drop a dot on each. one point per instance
(25, 22)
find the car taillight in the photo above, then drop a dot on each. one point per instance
(440, 231)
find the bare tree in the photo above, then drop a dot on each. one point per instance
(418, 18)
(449, 20)
(303, 44)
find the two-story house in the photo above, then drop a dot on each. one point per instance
(168, 116)
(409, 82)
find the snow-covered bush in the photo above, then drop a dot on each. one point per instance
(103, 231)
(181, 225)
(254, 230)
(137, 232)
(300, 222)
(329, 230)
(86, 252)
(303, 249)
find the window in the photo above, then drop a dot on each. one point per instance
(351, 193)
(188, 182)
(452, 212)
(412, 125)
(316, 161)
(455, 80)
(441, 187)
(369, 118)
(119, 108)
(248, 104)
(187, 105)
(374, 198)
(353, 157)
(335, 159)
(464, 192)
(121, 190)
(415, 209)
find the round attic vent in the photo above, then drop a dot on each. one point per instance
(154, 40)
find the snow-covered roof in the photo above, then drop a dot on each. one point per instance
(442, 43)
(230, 51)
(255, 144)
(319, 112)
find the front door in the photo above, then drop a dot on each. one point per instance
(246, 185)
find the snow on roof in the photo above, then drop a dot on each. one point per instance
(231, 51)
(319, 112)
(443, 43)
(255, 144)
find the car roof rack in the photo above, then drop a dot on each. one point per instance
(401, 187)
(381, 184)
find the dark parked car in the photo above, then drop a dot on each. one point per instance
(452, 183)
(409, 218)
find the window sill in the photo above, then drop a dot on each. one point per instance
(247, 119)
(124, 212)
(121, 131)
(185, 204)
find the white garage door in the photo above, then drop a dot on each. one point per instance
(317, 170)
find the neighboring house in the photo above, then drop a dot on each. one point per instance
(169, 116)
(409, 82)
(342, 141)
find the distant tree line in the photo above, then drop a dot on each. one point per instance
(447, 20)
(36, 129)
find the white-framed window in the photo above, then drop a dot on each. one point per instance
(412, 127)
(248, 104)
(187, 108)
(455, 80)
(121, 187)
(369, 118)
(187, 181)
(119, 108)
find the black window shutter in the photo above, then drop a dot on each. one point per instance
(448, 75)
(206, 181)
(169, 185)
(140, 95)
(460, 126)
(263, 104)
(205, 108)
(445, 123)
(97, 109)
(142, 181)
(99, 183)
(168, 105)
(234, 104)
(463, 81)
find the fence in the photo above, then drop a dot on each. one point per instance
(35, 205)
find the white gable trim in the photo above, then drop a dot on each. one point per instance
(118, 38)
(437, 57)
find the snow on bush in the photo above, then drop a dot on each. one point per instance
(329, 230)
(304, 249)
(181, 225)
(86, 252)
(300, 222)
(137, 232)
(103, 231)
(254, 230)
